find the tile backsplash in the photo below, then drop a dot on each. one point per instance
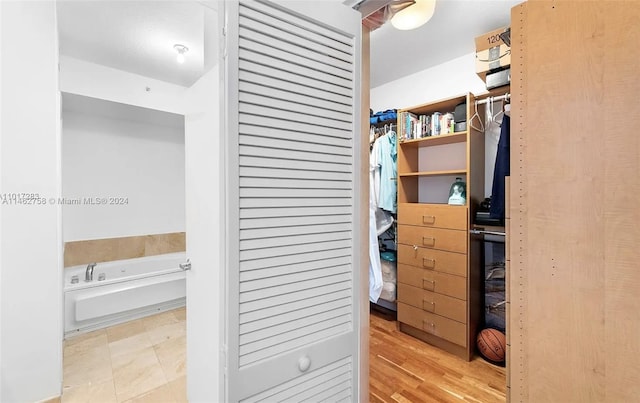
(105, 250)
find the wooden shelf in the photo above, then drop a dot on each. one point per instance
(423, 210)
(434, 173)
(459, 137)
(442, 106)
(497, 91)
(435, 204)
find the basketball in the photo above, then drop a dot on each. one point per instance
(492, 345)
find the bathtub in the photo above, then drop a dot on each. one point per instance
(122, 290)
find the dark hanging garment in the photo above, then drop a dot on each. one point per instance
(501, 170)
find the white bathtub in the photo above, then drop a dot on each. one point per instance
(131, 289)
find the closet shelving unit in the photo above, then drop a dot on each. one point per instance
(439, 269)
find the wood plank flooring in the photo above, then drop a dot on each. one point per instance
(404, 369)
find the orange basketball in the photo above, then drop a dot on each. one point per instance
(492, 344)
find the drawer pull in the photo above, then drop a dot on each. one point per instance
(428, 326)
(428, 219)
(428, 259)
(428, 284)
(428, 241)
(428, 305)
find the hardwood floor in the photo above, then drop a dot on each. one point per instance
(405, 369)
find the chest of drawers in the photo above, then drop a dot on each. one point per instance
(433, 276)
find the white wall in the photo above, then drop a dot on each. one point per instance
(97, 81)
(113, 150)
(1, 209)
(205, 282)
(30, 239)
(455, 77)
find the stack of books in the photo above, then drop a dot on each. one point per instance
(412, 126)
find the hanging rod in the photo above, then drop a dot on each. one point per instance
(493, 99)
(483, 232)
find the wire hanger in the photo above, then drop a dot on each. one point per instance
(495, 117)
(476, 115)
(503, 111)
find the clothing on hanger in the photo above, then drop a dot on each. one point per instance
(374, 172)
(502, 169)
(387, 160)
(382, 195)
(375, 268)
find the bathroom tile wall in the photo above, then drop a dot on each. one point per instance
(105, 250)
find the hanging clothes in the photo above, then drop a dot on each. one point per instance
(375, 267)
(387, 160)
(502, 169)
(374, 172)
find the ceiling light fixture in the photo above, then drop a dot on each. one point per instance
(415, 15)
(181, 49)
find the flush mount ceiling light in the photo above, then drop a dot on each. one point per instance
(415, 15)
(181, 49)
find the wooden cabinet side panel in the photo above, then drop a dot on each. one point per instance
(621, 212)
(574, 320)
(475, 166)
(517, 364)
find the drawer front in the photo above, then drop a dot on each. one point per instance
(439, 304)
(444, 328)
(433, 259)
(434, 238)
(442, 283)
(433, 215)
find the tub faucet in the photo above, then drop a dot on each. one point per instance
(88, 275)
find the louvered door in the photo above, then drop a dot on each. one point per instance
(292, 195)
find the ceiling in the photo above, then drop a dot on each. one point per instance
(138, 36)
(449, 34)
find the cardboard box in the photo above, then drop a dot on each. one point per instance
(491, 52)
(490, 39)
(492, 58)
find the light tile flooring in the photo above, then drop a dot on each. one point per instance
(138, 361)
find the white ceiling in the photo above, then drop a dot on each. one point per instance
(138, 36)
(449, 34)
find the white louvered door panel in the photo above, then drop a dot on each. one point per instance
(292, 196)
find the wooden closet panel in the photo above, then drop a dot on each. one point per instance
(622, 216)
(574, 232)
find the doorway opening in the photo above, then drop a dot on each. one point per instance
(134, 107)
